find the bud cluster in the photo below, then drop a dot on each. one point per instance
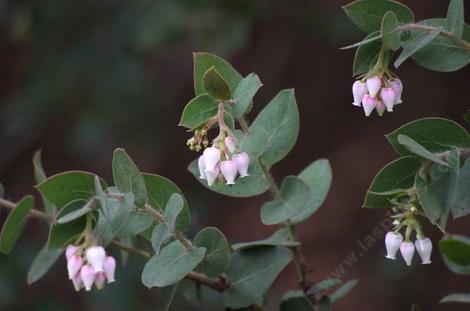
(90, 266)
(222, 162)
(377, 92)
(198, 141)
(394, 241)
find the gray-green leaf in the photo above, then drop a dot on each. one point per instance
(217, 257)
(419, 150)
(43, 261)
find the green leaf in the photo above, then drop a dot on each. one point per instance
(323, 286)
(204, 61)
(434, 134)
(160, 234)
(280, 121)
(317, 176)
(198, 111)
(217, 257)
(415, 307)
(456, 298)
(159, 191)
(414, 44)
(66, 187)
(419, 150)
(244, 94)
(127, 177)
(171, 265)
(251, 274)
(279, 238)
(460, 203)
(136, 223)
(442, 54)
(295, 194)
(455, 250)
(455, 18)
(436, 191)
(367, 53)
(396, 175)
(113, 215)
(343, 291)
(390, 36)
(295, 300)
(43, 261)
(62, 234)
(367, 14)
(88, 207)
(14, 224)
(216, 85)
(40, 176)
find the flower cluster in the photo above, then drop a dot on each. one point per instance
(377, 93)
(90, 266)
(222, 162)
(394, 242)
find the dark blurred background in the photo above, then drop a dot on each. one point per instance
(79, 78)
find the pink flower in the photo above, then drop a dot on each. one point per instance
(368, 104)
(373, 85)
(243, 161)
(393, 241)
(407, 250)
(74, 264)
(201, 163)
(70, 251)
(398, 88)
(95, 256)
(424, 248)
(389, 97)
(211, 175)
(100, 279)
(77, 282)
(109, 268)
(358, 89)
(380, 108)
(88, 275)
(211, 158)
(229, 169)
(230, 143)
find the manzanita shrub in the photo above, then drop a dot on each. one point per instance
(146, 214)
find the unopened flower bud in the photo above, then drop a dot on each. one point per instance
(389, 97)
(95, 256)
(211, 175)
(100, 279)
(368, 103)
(393, 241)
(211, 157)
(230, 143)
(398, 88)
(201, 163)
(396, 222)
(407, 250)
(87, 273)
(424, 248)
(70, 251)
(373, 85)
(229, 169)
(243, 161)
(74, 264)
(380, 108)
(77, 282)
(413, 209)
(359, 89)
(109, 268)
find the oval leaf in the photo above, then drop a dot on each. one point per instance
(455, 250)
(198, 111)
(14, 224)
(216, 85)
(43, 261)
(217, 257)
(244, 94)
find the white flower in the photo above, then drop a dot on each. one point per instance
(70, 251)
(77, 282)
(393, 241)
(229, 169)
(368, 103)
(109, 268)
(201, 164)
(230, 143)
(88, 274)
(211, 175)
(407, 250)
(95, 256)
(358, 89)
(243, 161)
(424, 248)
(398, 88)
(74, 264)
(389, 97)
(373, 85)
(211, 158)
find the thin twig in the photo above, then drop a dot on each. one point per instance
(32, 213)
(442, 32)
(244, 125)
